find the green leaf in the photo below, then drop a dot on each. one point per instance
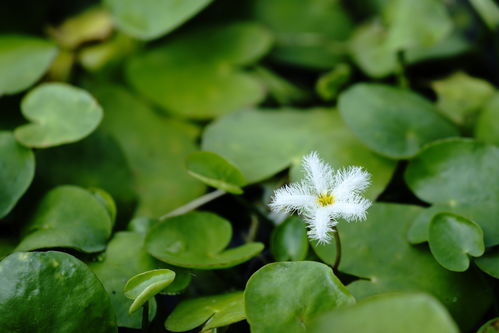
(150, 19)
(404, 312)
(144, 286)
(197, 240)
(212, 311)
(96, 161)
(59, 114)
(289, 240)
(17, 169)
(284, 137)
(23, 61)
(212, 169)
(388, 263)
(287, 296)
(392, 121)
(172, 76)
(461, 97)
(331, 83)
(155, 147)
(52, 289)
(492, 326)
(487, 124)
(325, 251)
(453, 239)
(305, 33)
(69, 217)
(489, 263)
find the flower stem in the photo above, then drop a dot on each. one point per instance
(337, 241)
(145, 317)
(196, 203)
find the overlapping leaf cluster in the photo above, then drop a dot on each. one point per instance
(140, 143)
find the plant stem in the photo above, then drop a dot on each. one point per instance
(145, 318)
(403, 82)
(198, 202)
(337, 241)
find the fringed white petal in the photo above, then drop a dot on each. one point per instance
(355, 209)
(349, 182)
(293, 197)
(320, 225)
(318, 173)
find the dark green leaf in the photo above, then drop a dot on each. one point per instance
(289, 240)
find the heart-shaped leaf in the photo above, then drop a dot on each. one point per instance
(212, 169)
(213, 311)
(487, 124)
(59, 113)
(71, 217)
(284, 136)
(304, 33)
(16, 171)
(287, 296)
(453, 239)
(155, 147)
(388, 263)
(289, 240)
(51, 289)
(23, 61)
(197, 240)
(144, 286)
(408, 313)
(173, 77)
(392, 121)
(150, 19)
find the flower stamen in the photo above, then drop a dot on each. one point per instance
(325, 199)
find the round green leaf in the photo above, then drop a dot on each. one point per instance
(453, 239)
(305, 34)
(392, 121)
(144, 286)
(155, 147)
(173, 76)
(489, 263)
(212, 169)
(59, 113)
(289, 240)
(71, 217)
(213, 311)
(455, 171)
(388, 263)
(262, 143)
(23, 61)
(16, 171)
(408, 313)
(150, 19)
(197, 240)
(492, 326)
(487, 124)
(287, 296)
(52, 292)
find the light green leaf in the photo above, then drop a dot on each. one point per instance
(142, 287)
(172, 76)
(408, 313)
(489, 263)
(289, 240)
(59, 114)
(392, 121)
(16, 171)
(69, 217)
(51, 289)
(197, 240)
(287, 296)
(23, 61)
(213, 311)
(453, 239)
(487, 124)
(212, 169)
(150, 19)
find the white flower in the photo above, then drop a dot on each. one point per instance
(324, 196)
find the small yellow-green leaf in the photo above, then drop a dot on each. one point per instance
(214, 170)
(144, 286)
(214, 311)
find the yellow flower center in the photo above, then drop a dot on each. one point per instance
(325, 199)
